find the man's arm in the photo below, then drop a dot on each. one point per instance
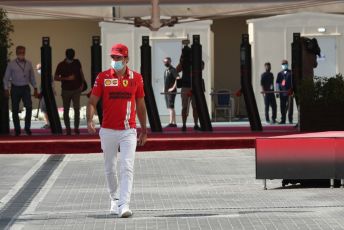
(141, 114)
(6, 80)
(58, 75)
(60, 78)
(176, 77)
(82, 78)
(179, 68)
(90, 111)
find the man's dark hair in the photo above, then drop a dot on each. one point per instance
(70, 53)
(267, 63)
(19, 48)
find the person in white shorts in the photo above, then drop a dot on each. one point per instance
(122, 94)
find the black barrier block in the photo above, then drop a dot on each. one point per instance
(146, 71)
(246, 84)
(47, 91)
(96, 68)
(4, 110)
(197, 89)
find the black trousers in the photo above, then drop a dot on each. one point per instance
(270, 101)
(287, 105)
(21, 93)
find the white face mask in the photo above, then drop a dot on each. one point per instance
(117, 65)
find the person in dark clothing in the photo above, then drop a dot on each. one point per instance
(170, 86)
(267, 83)
(69, 72)
(284, 82)
(187, 97)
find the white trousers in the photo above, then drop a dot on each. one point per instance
(127, 141)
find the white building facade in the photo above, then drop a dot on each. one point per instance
(271, 39)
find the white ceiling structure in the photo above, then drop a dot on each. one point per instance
(124, 11)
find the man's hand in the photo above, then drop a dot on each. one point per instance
(141, 114)
(170, 89)
(35, 93)
(71, 77)
(142, 139)
(91, 127)
(82, 85)
(7, 93)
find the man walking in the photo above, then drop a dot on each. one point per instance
(121, 90)
(170, 88)
(19, 74)
(69, 72)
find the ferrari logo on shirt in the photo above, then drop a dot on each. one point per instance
(125, 83)
(111, 82)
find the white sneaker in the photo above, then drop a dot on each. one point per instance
(114, 207)
(124, 211)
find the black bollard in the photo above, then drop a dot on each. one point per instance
(96, 68)
(197, 89)
(47, 91)
(146, 71)
(4, 110)
(296, 66)
(246, 84)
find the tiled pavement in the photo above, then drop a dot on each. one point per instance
(209, 189)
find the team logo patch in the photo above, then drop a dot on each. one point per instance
(125, 83)
(111, 82)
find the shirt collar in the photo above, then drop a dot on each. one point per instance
(126, 74)
(21, 61)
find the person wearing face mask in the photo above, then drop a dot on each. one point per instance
(122, 93)
(18, 76)
(69, 73)
(284, 83)
(170, 86)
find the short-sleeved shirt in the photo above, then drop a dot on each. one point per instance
(66, 69)
(267, 81)
(170, 76)
(119, 96)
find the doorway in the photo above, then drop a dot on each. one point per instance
(162, 49)
(327, 62)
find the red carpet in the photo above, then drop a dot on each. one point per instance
(171, 139)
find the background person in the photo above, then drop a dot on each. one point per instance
(284, 83)
(69, 72)
(267, 83)
(18, 76)
(170, 86)
(184, 66)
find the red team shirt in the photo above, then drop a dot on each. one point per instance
(119, 96)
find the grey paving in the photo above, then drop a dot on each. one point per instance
(13, 168)
(213, 189)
